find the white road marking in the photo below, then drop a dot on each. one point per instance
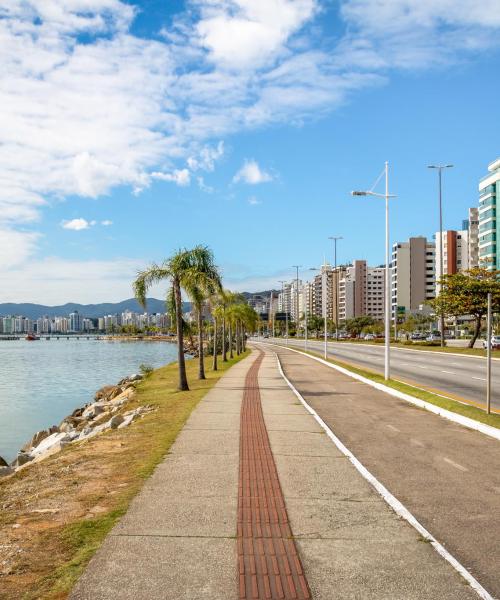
(393, 428)
(479, 378)
(449, 372)
(454, 464)
(422, 367)
(416, 443)
(391, 500)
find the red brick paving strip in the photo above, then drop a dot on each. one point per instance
(269, 567)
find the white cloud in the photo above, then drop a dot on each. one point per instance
(252, 174)
(250, 33)
(181, 177)
(106, 223)
(87, 105)
(77, 224)
(254, 201)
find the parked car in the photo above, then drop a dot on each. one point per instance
(369, 336)
(433, 338)
(418, 335)
(495, 342)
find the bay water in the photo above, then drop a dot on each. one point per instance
(43, 381)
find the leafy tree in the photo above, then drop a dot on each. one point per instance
(315, 323)
(356, 325)
(466, 293)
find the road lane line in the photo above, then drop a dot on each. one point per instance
(391, 500)
(479, 378)
(449, 372)
(454, 464)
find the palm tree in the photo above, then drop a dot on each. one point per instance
(184, 269)
(202, 282)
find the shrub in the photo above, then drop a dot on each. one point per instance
(146, 370)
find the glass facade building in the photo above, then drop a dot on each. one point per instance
(489, 193)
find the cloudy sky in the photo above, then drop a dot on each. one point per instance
(130, 129)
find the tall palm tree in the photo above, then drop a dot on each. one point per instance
(202, 282)
(184, 269)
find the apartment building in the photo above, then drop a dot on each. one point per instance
(472, 226)
(489, 192)
(362, 292)
(413, 274)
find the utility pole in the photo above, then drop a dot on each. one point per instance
(297, 267)
(336, 275)
(441, 258)
(488, 357)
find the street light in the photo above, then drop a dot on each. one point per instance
(441, 262)
(286, 312)
(387, 369)
(335, 239)
(296, 267)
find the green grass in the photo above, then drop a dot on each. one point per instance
(447, 403)
(127, 457)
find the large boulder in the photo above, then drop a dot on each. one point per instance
(21, 459)
(93, 410)
(52, 440)
(115, 421)
(4, 471)
(3, 462)
(105, 392)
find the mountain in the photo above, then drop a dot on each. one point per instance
(92, 311)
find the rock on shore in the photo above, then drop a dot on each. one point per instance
(105, 413)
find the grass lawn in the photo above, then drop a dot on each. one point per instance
(447, 403)
(55, 514)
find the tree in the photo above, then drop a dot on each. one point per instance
(356, 325)
(201, 282)
(183, 269)
(466, 293)
(315, 323)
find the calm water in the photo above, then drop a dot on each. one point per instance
(41, 382)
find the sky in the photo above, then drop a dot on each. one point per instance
(129, 129)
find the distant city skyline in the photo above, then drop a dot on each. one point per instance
(153, 131)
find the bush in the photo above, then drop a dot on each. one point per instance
(146, 370)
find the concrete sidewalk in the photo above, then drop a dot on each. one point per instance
(178, 539)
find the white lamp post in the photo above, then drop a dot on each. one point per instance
(387, 369)
(335, 239)
(441, 261)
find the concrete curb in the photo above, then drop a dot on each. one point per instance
(391, 500)
(446, 414)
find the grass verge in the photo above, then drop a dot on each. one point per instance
(447, 403)
(55, 514)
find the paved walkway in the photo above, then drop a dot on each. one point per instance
(255, 502)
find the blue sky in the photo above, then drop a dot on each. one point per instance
(132, 129)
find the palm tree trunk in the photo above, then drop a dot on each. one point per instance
(224, 346)
(231, 355)
(214, 341)
(201, 363)
(183, 383)
(238, 338)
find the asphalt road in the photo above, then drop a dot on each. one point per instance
(446, 475)
(463, 377)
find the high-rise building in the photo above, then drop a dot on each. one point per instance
(489, 192)
(413, 274)
(362, 292)
(75, 321)
(455, 253)
(473, 231)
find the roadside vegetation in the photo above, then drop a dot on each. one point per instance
(55, 514)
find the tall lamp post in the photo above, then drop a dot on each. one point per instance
(335, 239)
(387, 369)
(297, 267)
(441, 261)
(286, 312)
